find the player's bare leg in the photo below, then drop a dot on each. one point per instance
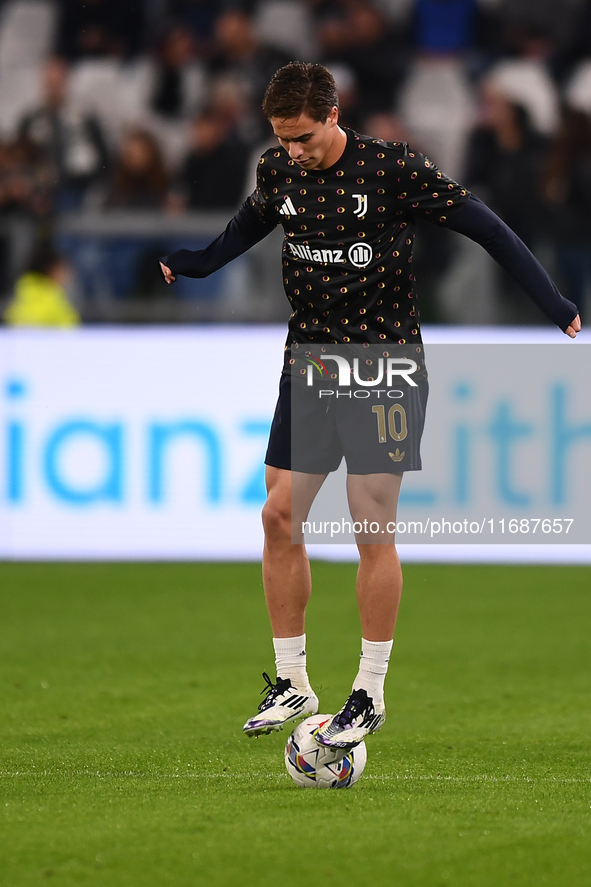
(287, 584)
(373, 500)
(286, 569)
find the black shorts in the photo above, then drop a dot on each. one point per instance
(377, 433)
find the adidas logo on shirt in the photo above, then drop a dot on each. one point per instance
(288, 209)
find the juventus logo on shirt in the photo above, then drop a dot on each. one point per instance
(361, 209)
(288, 209)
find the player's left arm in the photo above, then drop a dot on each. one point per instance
(478, 222)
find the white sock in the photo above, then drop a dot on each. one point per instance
(372, 668)
(290, 660)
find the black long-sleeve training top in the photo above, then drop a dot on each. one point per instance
(349, 230)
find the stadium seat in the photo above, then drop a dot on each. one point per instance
(285, 24)
(27, 29)
(527, 82)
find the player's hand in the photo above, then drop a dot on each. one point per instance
(169, 278)
(574, 328)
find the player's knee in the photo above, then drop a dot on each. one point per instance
(277, 517)
(384, 552)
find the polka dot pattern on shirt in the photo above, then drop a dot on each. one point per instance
(347, 271)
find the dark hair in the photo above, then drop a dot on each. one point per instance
(572, 142)
(44, 258)
(301, 88)
(149, 184)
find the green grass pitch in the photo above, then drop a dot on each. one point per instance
(124, 688)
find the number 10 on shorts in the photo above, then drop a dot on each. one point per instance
(396, 417)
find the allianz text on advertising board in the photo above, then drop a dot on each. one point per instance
(103, 443)
(150, 443)
(135, 443)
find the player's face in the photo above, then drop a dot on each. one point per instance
(313, 145)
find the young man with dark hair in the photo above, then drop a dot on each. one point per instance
(347, 204)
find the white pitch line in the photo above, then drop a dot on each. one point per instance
(387, 777)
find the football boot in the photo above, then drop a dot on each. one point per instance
(358, 717)
(282, 704)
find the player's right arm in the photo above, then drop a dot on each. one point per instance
(252, 223)
(242, 232)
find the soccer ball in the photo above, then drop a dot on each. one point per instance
(311, 766)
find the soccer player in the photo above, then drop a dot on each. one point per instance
(347, 204)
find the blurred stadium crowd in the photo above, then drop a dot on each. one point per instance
(132, 127)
